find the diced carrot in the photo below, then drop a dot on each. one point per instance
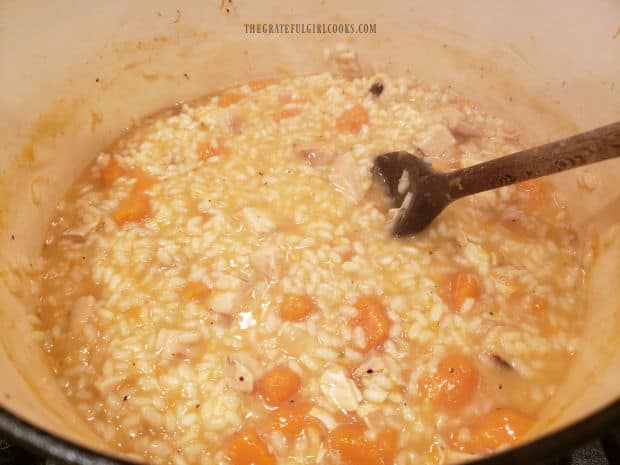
(247, 448)
(195, 290)
(502, 426)
(462, 286)
(354, 448)
(373, 319)
(296, 307)
(132, 209)
(537, 189)
(286, 113)
(353, 119)
(293, 420)
(453, 385)
(259, 84)
(538, 305)
(110, 172)
(278, 385)
(228, 98)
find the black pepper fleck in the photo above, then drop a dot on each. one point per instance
(186, 75)
(377, 88)
(370, 371)
(260, 173)
(125, 398)
(12, 237)
(96, 79)
(197, 406)
(450, 370)
(241, 378)
(500, 386)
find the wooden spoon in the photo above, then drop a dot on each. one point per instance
(422, 193)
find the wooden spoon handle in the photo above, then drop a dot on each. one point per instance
(589, 147)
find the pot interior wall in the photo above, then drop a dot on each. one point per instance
(72, 85)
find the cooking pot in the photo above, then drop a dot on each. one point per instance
(75, 75)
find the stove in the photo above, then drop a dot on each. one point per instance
(603, 451)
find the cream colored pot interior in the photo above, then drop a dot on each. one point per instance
(76, 74)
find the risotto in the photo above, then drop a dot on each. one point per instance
(220, 287)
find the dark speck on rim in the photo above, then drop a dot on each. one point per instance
(377, 88)
(370, 371)
(501, 362)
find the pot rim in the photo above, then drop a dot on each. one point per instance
(560, 442)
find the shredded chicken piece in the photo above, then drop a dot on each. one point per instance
(438, 141)
(227, 294)
(468, 128)
(257, 220)
(240, 372)
(266, 261)
(346, 177)
(316, 154)
(224, 302)
(80, 232)
(340, 389)
(174, 343)
(458, 123)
